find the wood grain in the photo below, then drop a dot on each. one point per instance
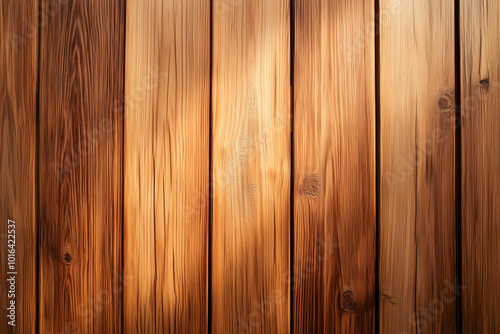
(18, 79)
(81, 180)
(167, 138)
(251, 166)
(334, 167)
(417, 167)
(480, 131)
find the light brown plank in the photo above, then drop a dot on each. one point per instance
(417, 167)
(81, 145)
(251, 166)
(167, 125)
(480, 85)
(18, 79)
(334, 152)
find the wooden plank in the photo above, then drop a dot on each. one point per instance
(18, 79)
(334, 152)
(480, 142)
(251, 166)
(81, 145)
(417, 167)
(167, 138)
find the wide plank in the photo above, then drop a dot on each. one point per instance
(417, 167)
(480, 143)
(81, 164)
(251, 166)
(334, 167)
(18, 82)
(167, 138)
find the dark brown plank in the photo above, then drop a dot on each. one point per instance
(480, 84)
(18, 77)
(167, 138)
(81, 145)
(334, 152)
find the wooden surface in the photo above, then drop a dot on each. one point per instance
(417, 167)
(18, 79)
(480, 86)
(243, 166)
(251, 166)
(81, 163)
(167, 138)
(334, 167)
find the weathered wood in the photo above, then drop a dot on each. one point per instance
(334, 162)
(480, 131)
(251, 166)
(417, 167)
(167, 138)
(81, 163)
(18, 79)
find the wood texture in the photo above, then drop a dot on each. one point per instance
(81, 180)
(334, 162)
(417, 167)
(18, 79)
(251, 166)
(480, 86)
(167, 138)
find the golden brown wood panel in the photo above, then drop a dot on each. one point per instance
(417, 167)
(480, 131)
(18, 79)
(167, 137)
(334, 162)
(251, 166)
(81, 145)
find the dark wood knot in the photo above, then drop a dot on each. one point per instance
(68, 258)
(348, 301)
(485, 83)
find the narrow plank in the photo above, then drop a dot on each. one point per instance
(81, 145)
(251, 166)
(18, 79)
(334, 167)
(167, 138)
(417, 167)
(480, 131)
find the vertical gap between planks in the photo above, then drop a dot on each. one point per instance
(377, 164)
(458, 163)
(37, 174)
(292, 173)
(210, 179)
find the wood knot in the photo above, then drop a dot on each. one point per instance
(485, 83)
(348, 301)
(68, 258)
(446, 101)
(310, 185)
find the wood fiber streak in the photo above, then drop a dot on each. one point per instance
(18, 75)
(251, 166)
(334, 167)
(417, 167)
(81, 144)
(167, 138)
(480, 131)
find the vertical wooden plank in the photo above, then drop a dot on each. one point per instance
(334, 152)
(417, 167)
(167, 138)
(251, 166)
(480, 131)
(81, 145)
(18, 79)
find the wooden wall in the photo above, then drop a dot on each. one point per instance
(250, 166)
